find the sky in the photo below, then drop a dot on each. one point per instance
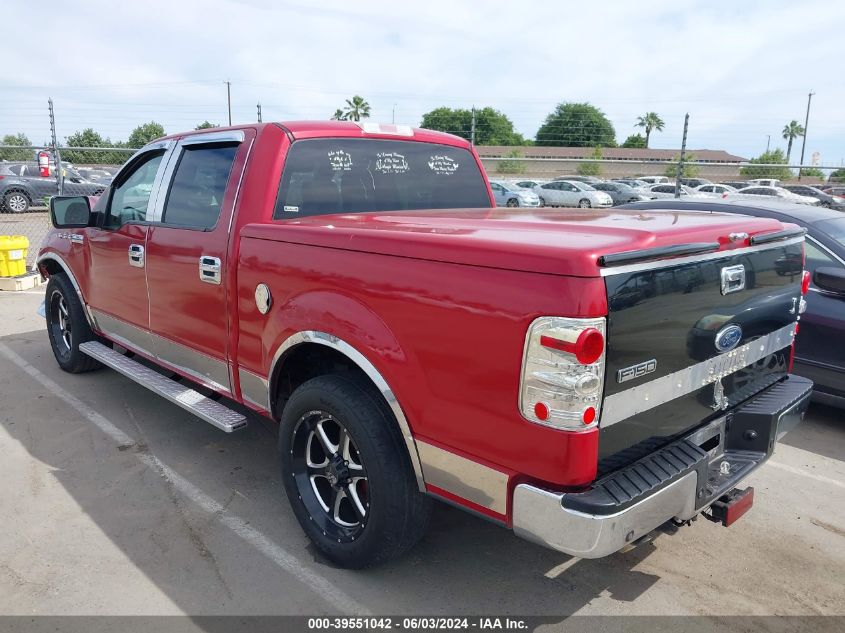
(742, 70)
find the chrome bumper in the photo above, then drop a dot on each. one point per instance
(706, 474)
(539, 516)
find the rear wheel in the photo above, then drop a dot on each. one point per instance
(67, 326)
(583, 203)
(16, 202)
(347, 474)
(542, 202)
(512, 202)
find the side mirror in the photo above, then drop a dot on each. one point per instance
(830, 280)
(70, 212)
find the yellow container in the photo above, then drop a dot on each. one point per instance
(13, 250)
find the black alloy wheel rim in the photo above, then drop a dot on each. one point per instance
(60, 324)
(330, 477)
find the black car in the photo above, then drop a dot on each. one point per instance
(819, 348)
(22, 186)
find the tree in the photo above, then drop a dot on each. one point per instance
(20, 140)
(491, 126)
(338, 115)
(87, 138)
(356, 109)
(775, 166)
(511, 166)
(591, 169)
(635, 140)
(576, 125)
(206, 125)
(812, 172)
(837, 175)
(690, 168)
(791, 131)
(650, 121)
(145, 133)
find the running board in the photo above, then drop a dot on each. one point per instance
(192, 401)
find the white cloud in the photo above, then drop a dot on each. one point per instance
(742, 70)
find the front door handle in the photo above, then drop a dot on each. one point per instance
(136, 255)
(210, 269)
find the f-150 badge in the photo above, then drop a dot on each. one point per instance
(635, 371)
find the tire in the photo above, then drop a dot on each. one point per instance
(512, 203)
(378, 513)
(583, 203)
(542, 202)
(67, 326)
(16, 202)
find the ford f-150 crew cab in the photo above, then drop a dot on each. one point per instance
(581, 377)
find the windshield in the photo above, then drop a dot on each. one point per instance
(343, 175)
(834, 228)
(583, 186)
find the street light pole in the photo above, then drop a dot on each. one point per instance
(229, 99)
(768, 140)
(804, 138)
(393, 118)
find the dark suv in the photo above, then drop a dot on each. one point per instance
(22, 186)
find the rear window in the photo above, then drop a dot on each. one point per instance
(335, 175)
(834, 228)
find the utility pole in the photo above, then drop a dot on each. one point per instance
(681, 160)
(57, 158)
(229, 99)
(768, 140)
(393, 117)
(259, 112)
(472, 128)
(804, 138)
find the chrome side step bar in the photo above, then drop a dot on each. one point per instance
(192, 401)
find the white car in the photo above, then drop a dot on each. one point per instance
(668, 191)
(776, 192)
(654, 180)
(571, 193)
(716, 191)
(509, 195)
(765, 182)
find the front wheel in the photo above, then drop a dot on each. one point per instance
(347, 474)
(583, 203)
(512, 203)
(67, 326)
(16, 202)
(542, 202)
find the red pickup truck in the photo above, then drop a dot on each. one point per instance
(582, 377)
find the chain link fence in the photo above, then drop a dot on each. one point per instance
(30, 176)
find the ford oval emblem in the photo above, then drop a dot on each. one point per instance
(728, 337)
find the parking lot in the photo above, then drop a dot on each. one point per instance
(117, 502)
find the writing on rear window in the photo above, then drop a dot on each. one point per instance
(354, 175)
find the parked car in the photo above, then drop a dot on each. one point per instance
(413, 343)
(653, 180)
(694, 183)
(99, 176)
(736, 184)
(22, 185)
(776, 192)
(587, 179)
(764, 182)
(571, 193)
(529, 184)
(619, 192)
(818, 354)
(836, 190)
(716, 190)
(507, 195)
(825, 199)
(668, 191)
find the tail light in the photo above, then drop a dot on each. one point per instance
(563, 372)
(805, 282)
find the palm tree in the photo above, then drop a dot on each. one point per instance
(356, 109)
(791, 131)
(650, 121)
(338, 115)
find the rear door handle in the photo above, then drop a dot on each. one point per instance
(136, 255)
(210, 269)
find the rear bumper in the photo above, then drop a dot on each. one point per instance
(675, 482)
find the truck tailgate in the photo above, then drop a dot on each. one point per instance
(689, 339)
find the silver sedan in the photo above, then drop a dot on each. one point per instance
(570, 193)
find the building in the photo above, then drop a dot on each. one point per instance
(547, 162)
